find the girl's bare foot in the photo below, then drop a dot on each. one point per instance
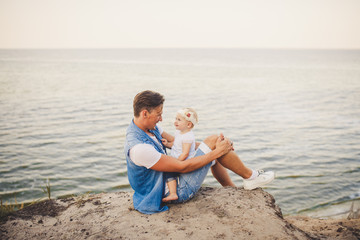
(171, 197)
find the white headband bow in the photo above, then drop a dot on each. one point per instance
(188, 115)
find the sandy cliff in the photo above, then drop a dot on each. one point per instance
(214, 213)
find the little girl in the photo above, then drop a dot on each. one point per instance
(182, 146)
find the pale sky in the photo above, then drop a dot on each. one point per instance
(182, 23)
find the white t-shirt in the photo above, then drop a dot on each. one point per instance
(188, 137)
(144, 154)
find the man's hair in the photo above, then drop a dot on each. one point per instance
(147, 100)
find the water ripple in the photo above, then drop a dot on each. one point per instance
(65, 113)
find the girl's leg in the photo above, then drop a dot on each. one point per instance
(190, 183)
(172, 192)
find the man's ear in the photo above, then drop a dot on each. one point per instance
(144, 113)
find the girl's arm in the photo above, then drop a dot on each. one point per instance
(167, 143)
(168, 139)
(185, 151)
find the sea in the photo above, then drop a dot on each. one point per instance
(64, 114)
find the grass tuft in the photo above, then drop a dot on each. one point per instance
(7, 208)
(47, 189)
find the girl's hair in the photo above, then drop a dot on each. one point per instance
(147, 100)
(189, 114)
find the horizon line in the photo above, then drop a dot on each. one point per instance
(180, 48)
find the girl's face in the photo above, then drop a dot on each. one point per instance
(181, 124)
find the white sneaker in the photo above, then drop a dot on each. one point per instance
(261, 180)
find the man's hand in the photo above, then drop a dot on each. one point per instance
(224, 145)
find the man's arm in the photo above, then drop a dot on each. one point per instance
(171, 164)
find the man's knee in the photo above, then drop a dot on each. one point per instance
(211, 141)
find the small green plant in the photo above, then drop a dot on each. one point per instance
(7, 208)
(47, 189)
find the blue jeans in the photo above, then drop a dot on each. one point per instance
(190, 183)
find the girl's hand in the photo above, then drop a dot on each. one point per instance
(165, 142)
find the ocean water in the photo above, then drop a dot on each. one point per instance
(64, 115)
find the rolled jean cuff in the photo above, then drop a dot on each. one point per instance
(204, 148)
(170, 179)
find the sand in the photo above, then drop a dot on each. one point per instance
(214, 213)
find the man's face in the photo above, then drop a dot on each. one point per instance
(155, 116)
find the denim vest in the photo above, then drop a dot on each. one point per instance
(148, 184)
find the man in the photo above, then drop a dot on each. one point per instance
(147, 160)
